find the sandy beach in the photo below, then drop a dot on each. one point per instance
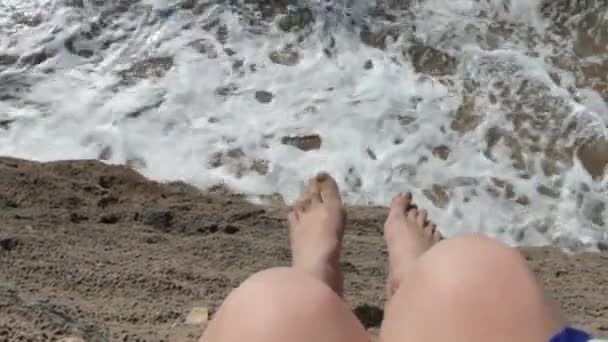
(100, 253)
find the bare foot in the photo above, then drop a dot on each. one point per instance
(316, 227)
(408, 234)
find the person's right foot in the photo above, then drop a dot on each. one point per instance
(408, 234)
(316, 228)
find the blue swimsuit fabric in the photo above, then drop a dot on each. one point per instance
(571, 335)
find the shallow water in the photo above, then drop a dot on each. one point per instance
(492, 112)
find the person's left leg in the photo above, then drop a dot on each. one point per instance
(467, 288)
(302, 303)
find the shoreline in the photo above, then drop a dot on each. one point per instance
(100, 252)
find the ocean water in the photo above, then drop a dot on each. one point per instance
(493, 113)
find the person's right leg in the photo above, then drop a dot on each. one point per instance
(302, 303)
(469, 288)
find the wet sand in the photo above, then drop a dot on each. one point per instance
(101, 253)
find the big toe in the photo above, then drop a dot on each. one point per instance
(328, 188)
(400, 204)
(313, 191)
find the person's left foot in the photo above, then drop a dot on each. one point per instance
(316, 228)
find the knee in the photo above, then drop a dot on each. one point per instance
(273, 294)
(282, 282)
(283, 304)
(478, 252)
(265, 286)
(270, 305)
(478, 272)
(475, 260)
(260, 283)
(469, 279)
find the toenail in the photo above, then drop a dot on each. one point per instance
(321, 177)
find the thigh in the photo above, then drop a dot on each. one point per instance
(281, 305)
(470, 289)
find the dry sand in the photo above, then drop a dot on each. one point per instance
(101, 253)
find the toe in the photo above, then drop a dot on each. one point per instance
(437, 235)
(328, 188)
(302, 206)
(400, 203)
(423, 217)
(313, 191)
(412, 214)
(293, 218)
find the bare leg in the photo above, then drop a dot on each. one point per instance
(463, 289)
(301, 303)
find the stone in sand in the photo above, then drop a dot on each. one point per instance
(304, 142)
(72, 339)
(466, 119)
(594, 157)
(198, 316)
(441, 152)
(439, 195)
(8, 59)
(155, 67)
(296, 20)
(288, 56)
(263, 96)
(430, 61)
